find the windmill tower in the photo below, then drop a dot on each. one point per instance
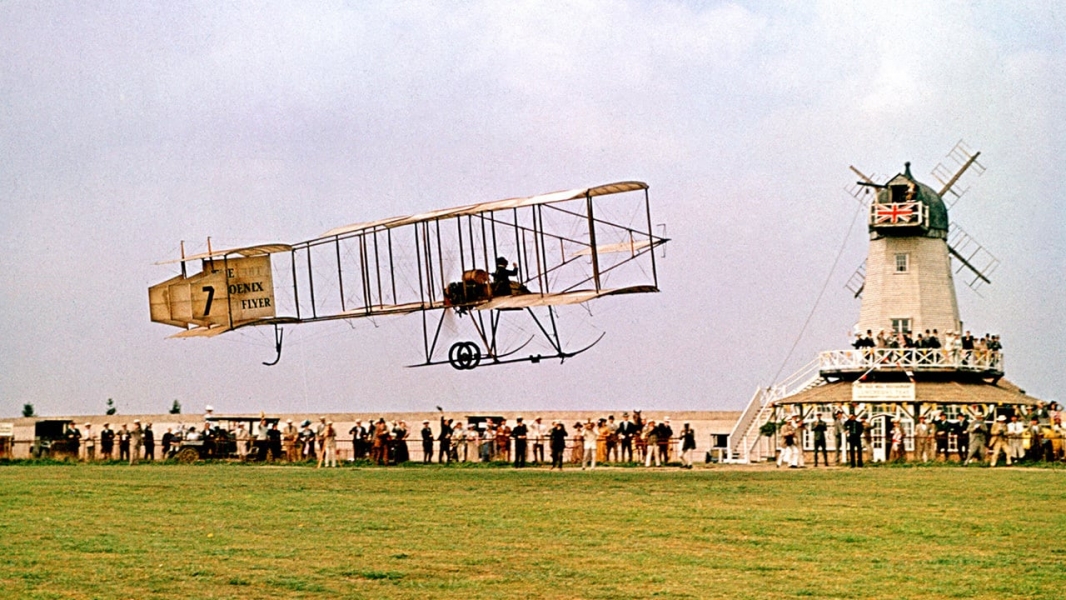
(907, 282)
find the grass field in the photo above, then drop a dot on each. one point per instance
(233, 531)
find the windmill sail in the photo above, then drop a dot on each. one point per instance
(971, 255)
(949, 176)
(857, 281)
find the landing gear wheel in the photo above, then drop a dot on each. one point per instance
(464, 356)
(187, 456)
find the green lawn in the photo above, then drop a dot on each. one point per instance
(232, 531)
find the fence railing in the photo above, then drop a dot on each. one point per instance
(913, 359)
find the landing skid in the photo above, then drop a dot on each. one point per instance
(465, 360)
(468, 355)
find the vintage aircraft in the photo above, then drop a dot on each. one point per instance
(565, 247)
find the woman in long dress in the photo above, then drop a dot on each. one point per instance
(577, 450)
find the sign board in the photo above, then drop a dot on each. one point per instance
(882, 392)
(226, 293)
(7, 430)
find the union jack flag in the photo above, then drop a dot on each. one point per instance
(896, 214)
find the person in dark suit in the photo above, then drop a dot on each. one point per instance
(818, 429)
(854, 430)
(73, 439)
(626, 430)
(501, 277)
(427, 443)
(124, 443)
(961, 429)
(149, 442)
(941, 430)
(168, 440)
(520, 434)
(107, 442)
(445, 439)
(666, 433)
(558, 445)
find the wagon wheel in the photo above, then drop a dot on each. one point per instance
(464, 356)
(187, 455)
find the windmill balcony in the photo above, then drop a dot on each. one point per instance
(842, 363)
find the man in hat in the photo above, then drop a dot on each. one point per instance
(320, 435)
(501, 277)
(262, 440)
(73, 439)
(978, 431)
(288, 441)
(520, 433)
(626, 430)
(1036, 439)
(999, 440)
(898, 449)
(923, 440)
(427, 443)
(166, 441)
(612, 439)
(941, 431)
(124, 443)
(558, 444)
(839, 435)
(1015, 429)
(854, 429)
(445, 439)
(149, 443)
(962, 436)
(666, 436)
(819, 429)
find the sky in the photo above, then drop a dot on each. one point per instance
(127, 127)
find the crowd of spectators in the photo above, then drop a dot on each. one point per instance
(586, 443)
(1036, 436)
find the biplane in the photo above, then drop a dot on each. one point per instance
(521, 256)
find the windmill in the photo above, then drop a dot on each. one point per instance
(906, 282)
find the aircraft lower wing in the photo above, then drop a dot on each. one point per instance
(559, 299)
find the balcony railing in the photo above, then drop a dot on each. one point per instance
(911, 359)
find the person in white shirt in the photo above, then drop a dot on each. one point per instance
(90, 443)
(537, 432)
(590, 435)
(242, 442)
(1015, 429)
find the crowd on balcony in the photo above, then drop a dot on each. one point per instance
(955, 348)
(929, 340)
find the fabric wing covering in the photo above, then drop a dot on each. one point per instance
(473, 209)
(574, 297)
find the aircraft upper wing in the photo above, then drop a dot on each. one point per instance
(260, 250)
(508, 203)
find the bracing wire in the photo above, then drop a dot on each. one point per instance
(818, 300)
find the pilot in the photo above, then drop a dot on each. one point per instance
(501, 277)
